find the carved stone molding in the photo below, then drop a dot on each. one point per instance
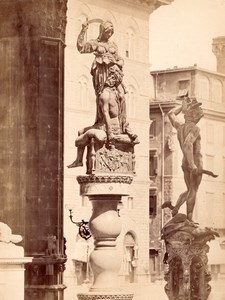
(150, 5)
(187, 275)
(92, 296)
(104, 185)
(104, 179)
(218, 46)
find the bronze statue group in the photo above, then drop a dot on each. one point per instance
(107, 75)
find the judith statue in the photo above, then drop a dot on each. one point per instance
(107, 75)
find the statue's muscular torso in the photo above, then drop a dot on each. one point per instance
(110, 110)
(192, 132)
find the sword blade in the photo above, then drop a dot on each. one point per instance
(95, 21)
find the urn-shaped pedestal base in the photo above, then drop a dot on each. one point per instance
(105, 192)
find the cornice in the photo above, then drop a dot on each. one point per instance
(173, 70)
(190, 68)
(149, 5)
(15, 261)
(104, 179)
(214, 114)
(165, 105)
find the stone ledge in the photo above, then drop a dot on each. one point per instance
(53, 287)
(103, 296)
(15, 261)
(104, 179)
(104, 185)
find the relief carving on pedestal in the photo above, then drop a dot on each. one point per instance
(186, 250)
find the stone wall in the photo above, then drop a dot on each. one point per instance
(31, 126)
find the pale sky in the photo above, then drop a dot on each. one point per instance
(181, 33)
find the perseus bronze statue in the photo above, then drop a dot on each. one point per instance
(189, 137)
(107, 75)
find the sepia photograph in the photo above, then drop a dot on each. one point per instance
(112, 131)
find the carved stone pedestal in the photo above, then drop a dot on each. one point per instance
(105, 191)
(187, 274)
(117, 157)
(43, 276)
(12, 265)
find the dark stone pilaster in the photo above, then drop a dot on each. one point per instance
(32, 35)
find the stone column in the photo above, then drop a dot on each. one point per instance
(105, 226)
(32, 35)
(108, 181)
(218, 48)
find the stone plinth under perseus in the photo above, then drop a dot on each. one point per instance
(187, 273)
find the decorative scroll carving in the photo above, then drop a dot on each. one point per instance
(218, 46)
(105, 297)
(104, 179)
(186, 254)
(60, 268)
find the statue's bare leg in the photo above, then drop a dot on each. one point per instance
(183, 197)
(190, 205)
(180, 201)
(80, 143)
(79, 160)
(195, 181)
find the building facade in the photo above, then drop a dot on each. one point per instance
(131, 29)
(161, 180)
(209, 88)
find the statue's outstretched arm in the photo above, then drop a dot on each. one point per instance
(82, 45)
(172, 114)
